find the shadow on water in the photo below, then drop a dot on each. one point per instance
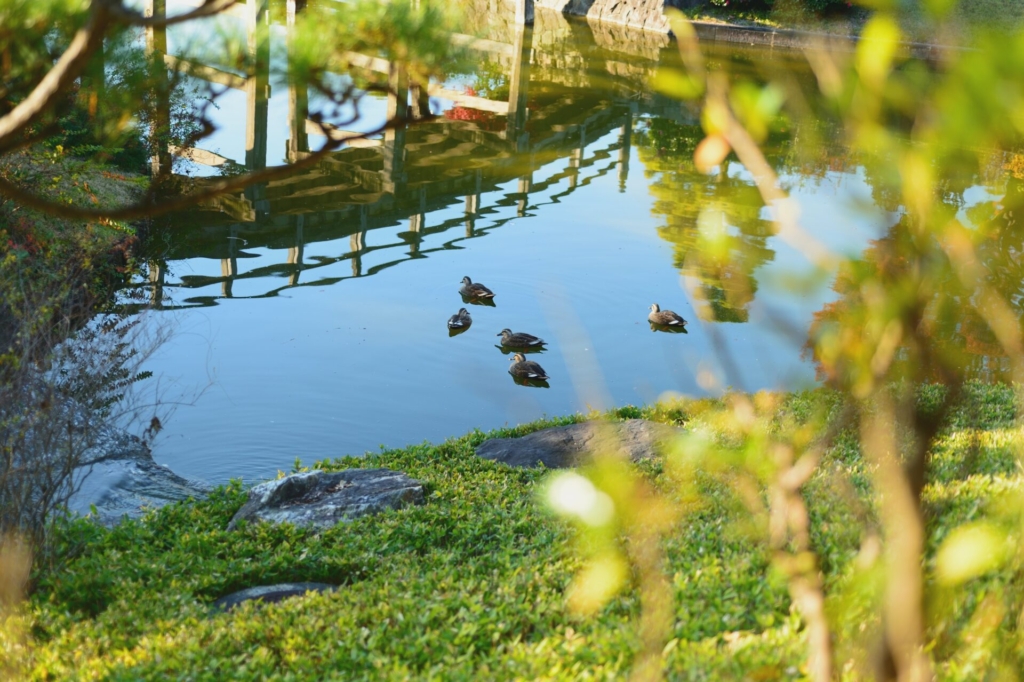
(531, 383)
(510, 350)
(667, 329)
(486, 302)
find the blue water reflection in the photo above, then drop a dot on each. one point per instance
(316, 308)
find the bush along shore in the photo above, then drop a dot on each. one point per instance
(930, 24)
(62, 379)
(472, 584)
(55, 273)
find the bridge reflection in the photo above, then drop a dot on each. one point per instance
(565, 89)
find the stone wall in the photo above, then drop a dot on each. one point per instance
(646, 15)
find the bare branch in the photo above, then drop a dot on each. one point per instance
(86, 42)
(209, 8)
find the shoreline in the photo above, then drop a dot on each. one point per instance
(648, 17)
(473, 580)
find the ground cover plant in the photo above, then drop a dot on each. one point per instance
(477, 582)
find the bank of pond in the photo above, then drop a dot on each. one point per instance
(475, 579)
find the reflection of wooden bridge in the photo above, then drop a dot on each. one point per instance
(410, 172)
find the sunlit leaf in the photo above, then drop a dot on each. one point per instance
(970, 551)
(711, 151)
(573, 495)
(879, 42)
(598, 582)
(676, 83)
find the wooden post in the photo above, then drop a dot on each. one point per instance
(356, 244)
(523, 13)
(257, 93)
(298, 93)
(394, 138)
(417, 222)
(525, 183)
(519, 81)
(398, 92)
(295, 252)
(156, 280)
(575, 161)
(160, 119)
(417, 219)
(473, 204)
(229, 265)
(625, 137)
(257, 87)
(420, 101)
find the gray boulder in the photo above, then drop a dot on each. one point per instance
(562, 447)
(121, 480)
(269, 594)
(321, 500)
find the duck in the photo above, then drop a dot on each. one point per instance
(519, 339)
(666, 318)
(460, 320)
(521, 368)
(469, 289)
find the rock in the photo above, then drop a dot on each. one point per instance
(321, 500)
(121, 480)
(270, 594)
(569, 446)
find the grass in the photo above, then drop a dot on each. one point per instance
(472, 584)
(57, 175)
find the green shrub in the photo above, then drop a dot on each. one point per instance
(816, 6)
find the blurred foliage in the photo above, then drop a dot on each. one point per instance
(936, 299)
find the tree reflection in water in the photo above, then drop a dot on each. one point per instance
(957, 332)
(715, 222)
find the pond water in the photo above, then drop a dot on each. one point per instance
(310, 313)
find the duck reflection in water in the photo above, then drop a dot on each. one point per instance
(668, 329)
(489, 302)
(505, 350)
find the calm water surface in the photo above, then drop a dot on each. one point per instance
(312, 311)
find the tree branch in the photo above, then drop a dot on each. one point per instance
(87, 40)
(207, 9)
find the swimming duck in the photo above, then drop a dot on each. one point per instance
(460, 320)
(526, 369)
(471, 290)
(665, 317)
(519, 339)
